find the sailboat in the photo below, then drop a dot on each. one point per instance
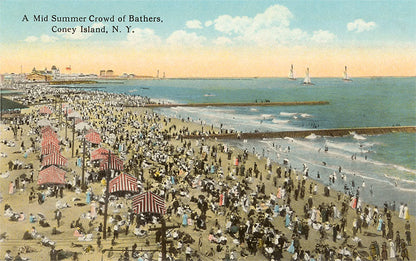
(307, 80)
(346, 77)
(291, 73)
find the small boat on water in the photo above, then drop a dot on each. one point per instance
(307, 80)
(346, 77)
(292, 75)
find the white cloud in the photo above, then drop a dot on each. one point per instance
(194, 24)
(265, 29)
(228, 24)
(44, 38)
(322, 36)
(48, 39)
(222, 41)
(276, 15)
(359, 26)
(143, 37)
(31, 39)
(182, 38)
(208, 23)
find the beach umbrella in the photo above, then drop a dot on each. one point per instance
(82, 125)
(93, 137)
(54, 159)
(44, 122)
(51, 175)
(123, 183)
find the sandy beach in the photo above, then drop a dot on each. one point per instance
(226, 203)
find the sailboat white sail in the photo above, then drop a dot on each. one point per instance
(292, 75)
(346, 76)
(307, 79)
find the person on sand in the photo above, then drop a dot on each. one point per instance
(8, 256)
(185, 220)
(406, 212)
(11, 188)
(53, 254)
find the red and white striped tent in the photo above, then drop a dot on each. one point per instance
(148, 202)
(99, 154)
(51, 175)
(47, 134)
(50, 148)
(46, 129)
(49, 139)
(54, 159)
(123, 183)
(93, 137)
(45, 110)
(116, 163)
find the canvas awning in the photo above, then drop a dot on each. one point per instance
(50, 148)
(116, 163)
(123, 183)
(54, 159)
(148, 202)
(51, 175)
(99, 154)
(49, 139)
(93, 137)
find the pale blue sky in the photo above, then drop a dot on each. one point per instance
(394, 20)
(326, 34)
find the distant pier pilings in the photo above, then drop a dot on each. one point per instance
(305, 133)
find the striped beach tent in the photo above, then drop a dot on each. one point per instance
(148, 202)
(123, 183)
(45, 110)
(46, 129)
(116, 163)
(54, 158)
(50, 133)
(50, 148)
(99, 154)
(49, 139)
(51, 175)
(93, 137)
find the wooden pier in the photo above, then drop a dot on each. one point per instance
(235, 104)
(305, 133)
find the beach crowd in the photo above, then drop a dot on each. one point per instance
(221, 202)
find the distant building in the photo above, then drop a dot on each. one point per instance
(102, 73)
(109, 73)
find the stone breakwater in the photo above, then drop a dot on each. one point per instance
(305, 133)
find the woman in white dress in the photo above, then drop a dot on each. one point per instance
(392, 249)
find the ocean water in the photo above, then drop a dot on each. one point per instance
(387, 163)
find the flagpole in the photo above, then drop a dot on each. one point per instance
(107, 185)
(163, 239)
(83, 162)
(73, 135)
